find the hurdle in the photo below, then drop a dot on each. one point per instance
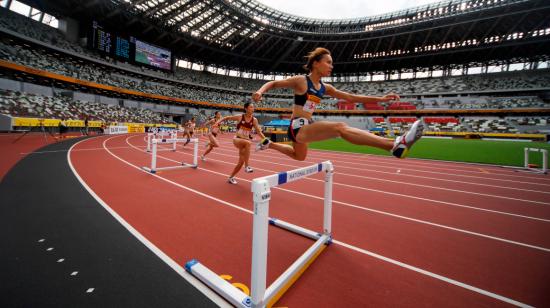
(260, 295)
(526, 166)
(156, 142)
(170, 135)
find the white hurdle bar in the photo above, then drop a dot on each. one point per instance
(261, 189)
(170, 135)
(155, 142)
(544, 159)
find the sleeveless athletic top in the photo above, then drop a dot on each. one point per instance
(214, 129)
(245, 128)
(311, 98)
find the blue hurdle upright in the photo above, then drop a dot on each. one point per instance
(260, 295)
(156, 142)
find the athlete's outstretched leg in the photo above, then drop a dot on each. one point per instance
(323, 130)
(320, 131)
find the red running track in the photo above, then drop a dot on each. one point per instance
(407, 232)
(15, 146)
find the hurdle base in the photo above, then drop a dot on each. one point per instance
(531, 170)
(277, 289)
(231, 293)
(294, 228)
(148, 169)
(183, 165)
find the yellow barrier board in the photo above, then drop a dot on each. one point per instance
(94, 123)
(34, 122)
(136, 128)
(74, 123)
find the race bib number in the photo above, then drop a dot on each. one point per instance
(311, 102)
(299, 122)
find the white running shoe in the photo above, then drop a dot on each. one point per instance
(203, 158)
(263, 145)
(232, 181)
(403, 143)
(248, 169)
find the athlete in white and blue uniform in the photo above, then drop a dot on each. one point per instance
(308, 101)
(308, 92)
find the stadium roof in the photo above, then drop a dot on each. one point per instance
(247, 35)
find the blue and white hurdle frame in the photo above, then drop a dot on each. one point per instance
(261, 189)
(544, 167)
(156, 142)
(162, 134)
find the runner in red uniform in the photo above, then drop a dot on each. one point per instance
(243, 138)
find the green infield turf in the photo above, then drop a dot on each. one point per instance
(508, 153)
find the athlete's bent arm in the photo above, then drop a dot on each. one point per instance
(290, 83)
(228, 118)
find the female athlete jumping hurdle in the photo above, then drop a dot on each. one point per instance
(308, 92)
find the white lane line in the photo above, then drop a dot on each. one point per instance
(49, 249)
(449, 189)
(420, 162)
(434, 275)
(364, 188)
(409, 183)
(383, 212)
(74, 273)
(169, 261)
(423, 177)
(60, 260)
(364, 251)
(387, 164)
(342, 164)
(41, 240)
(377, 159)
(90, 290)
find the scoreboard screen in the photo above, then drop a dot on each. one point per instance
(102, 40)
(122, 48)
(128, 48)
(153, 55)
